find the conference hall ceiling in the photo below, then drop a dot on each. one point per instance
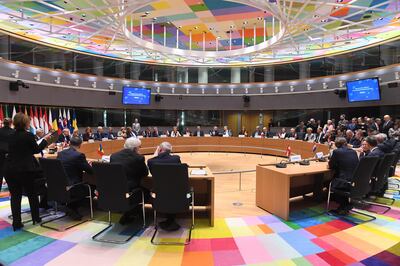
(205, 32)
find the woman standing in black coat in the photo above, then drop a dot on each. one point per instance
(22, 167)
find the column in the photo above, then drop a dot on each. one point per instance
(269, 74)
(120, 69)
(203, 75)
(387, 53)
(235, 75)
(98, 66)
(251, 74)
(171, 74)
(4, 47)
(182, 74)
(135, 71)
(304, 70)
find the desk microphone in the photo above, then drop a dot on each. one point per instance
(304, 162)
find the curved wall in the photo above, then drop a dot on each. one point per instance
(93, 91)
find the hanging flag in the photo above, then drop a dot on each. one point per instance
(45, 122)
(314, 148)
(53, 121)
(6, 111)
(60, 122)
(41, 122)
(31, 125)
(100, 151)
(74, 121)
(26, 111)
(65, 122)
(69, 121)
(288, 151)
(36, 119)
(19, 109)
(1, 116)
(14, 112)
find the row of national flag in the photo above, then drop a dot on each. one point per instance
(44, 118)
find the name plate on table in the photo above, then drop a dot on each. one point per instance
(241, 136)
(257, 137)
(291, 138)
(140, 137)
(186, 135)
(295, 158)
(105, 158)
(104, 139)
(225, 136)
(120, 138)
(198, 172)
(91, 141)
(207, 135)
(275, 137)
(163, 136)
(319, 155)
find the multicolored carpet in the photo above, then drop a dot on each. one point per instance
(310, 239)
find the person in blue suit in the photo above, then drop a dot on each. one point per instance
(343, 162)
(100, 134)
(74, 163)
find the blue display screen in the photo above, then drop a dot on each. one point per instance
(363, 90)
(132, 95)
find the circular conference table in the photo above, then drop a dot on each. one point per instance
(264, 146)
(268, 196)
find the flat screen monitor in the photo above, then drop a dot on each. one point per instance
(363, 90)
(132, 95)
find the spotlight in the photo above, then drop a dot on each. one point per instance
(261, 90)
(187, 90)
(217, 90)
(231, 90)
(37, 77)
(308, 87)
(341, 83)
(94, 85)
(324, 85)
(276, 89)
(173, 90)
(291, 88)
(246, 90)
(15, 74)
(57, 80)
(397, 75)
(76, 82)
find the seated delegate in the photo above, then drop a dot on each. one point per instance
(75, 163)
(163, 156)
(135, 169)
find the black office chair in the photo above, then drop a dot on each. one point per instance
(392, 171)
(114, 196)
(58, 191)
(380, 181)
(358, 187)
(171, 195)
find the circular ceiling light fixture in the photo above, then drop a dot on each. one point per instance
(204, 33)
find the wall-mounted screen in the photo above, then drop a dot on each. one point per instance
(363, 90)
(132, 95)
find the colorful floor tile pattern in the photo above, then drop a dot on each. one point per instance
(312, 238)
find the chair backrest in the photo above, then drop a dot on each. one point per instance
(56, 180)
(382, 171)
(171, 186)
(112, 185)
(362, 176)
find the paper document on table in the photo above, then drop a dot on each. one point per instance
(198, 172)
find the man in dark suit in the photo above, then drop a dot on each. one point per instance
(387, 124)
(372, 147)
(319, 136)
(163, 156)
(39, 134)
(343, 162)
(74, 163)
(65, 136)
(100, 135)
(215, 132)
(198, 132)
(5, 132)
(135, 169)
(111, 134)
